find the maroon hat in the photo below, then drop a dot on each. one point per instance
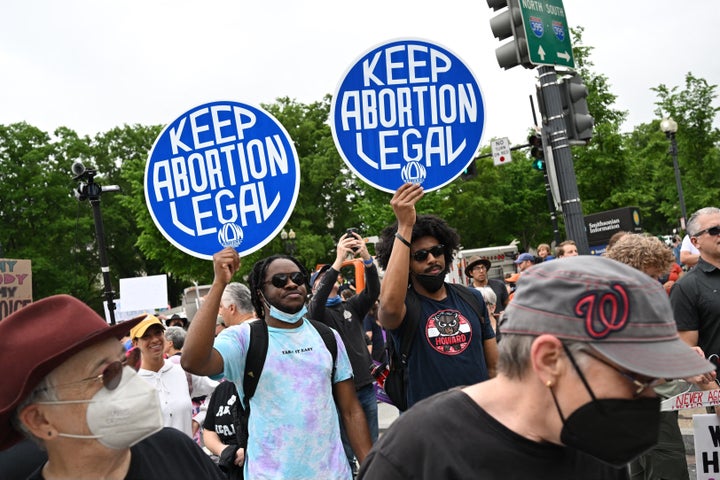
(618, 311)
(37, 339)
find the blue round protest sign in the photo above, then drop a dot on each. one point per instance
(408, 111)
(222, 174)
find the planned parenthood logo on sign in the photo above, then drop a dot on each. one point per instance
(222, 174)
(408, 111)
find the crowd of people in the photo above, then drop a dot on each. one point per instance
(532, 376)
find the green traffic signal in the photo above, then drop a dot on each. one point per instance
(538, 164)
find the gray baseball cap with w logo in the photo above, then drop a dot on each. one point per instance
(620, 312)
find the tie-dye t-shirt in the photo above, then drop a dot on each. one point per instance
(293, 427)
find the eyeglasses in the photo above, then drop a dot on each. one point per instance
(110, 377)
(279, 280)
(714, 231)
(436, 251)
(640, 386)
(479, 267)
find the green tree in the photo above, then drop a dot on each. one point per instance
(40, 216)
(601, 167)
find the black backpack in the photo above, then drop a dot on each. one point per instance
(396, 380)
(254, 362)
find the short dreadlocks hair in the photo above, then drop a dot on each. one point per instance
(425, 226)
(257, 277)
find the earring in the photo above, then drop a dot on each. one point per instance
(549, 383)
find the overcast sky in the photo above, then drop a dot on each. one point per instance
(91, 65)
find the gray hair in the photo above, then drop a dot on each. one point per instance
(176, 335)
(43, 391)
(514, 354)
(488, 295)
(692, 224)
(238, 294)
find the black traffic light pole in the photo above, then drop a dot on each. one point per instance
(551, 208)
(91, 191)
(556, 133)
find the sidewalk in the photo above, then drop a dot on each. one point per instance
(386, 415)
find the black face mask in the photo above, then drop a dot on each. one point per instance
(612, 430)
(431, 283)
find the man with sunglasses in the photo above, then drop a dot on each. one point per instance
(293, 428)
(573, 398)
(694, 296)
(66, 387)
(453, 342)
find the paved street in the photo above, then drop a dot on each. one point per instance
(386, 415)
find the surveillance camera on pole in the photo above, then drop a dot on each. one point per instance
(90, 190)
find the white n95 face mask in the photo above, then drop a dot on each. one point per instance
(121, 417)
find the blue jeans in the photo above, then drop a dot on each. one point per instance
(368, 402)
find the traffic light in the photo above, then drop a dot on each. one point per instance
(578, 121)
(508, 24)
(537, 152)
(470, 171)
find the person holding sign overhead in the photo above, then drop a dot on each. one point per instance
(453, 342)
(293, 429)
(573, 398)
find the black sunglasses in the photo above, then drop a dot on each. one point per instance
(714, 231)
(436, 251)
(110, 377)
(279, 280)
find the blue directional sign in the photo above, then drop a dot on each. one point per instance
(408, 111)
(222, 174)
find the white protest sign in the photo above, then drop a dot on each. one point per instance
(707, 446)
(695, 399)
(501, 151)
(144, 293)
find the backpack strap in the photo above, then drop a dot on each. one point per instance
(411, 322)
(255, 359)
(328, 337)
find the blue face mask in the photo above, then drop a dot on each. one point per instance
(286, 317)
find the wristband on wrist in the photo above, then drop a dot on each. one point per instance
(402, 239)
(368, 262)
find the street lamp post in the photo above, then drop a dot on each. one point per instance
(669, 127)
(288, 239)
